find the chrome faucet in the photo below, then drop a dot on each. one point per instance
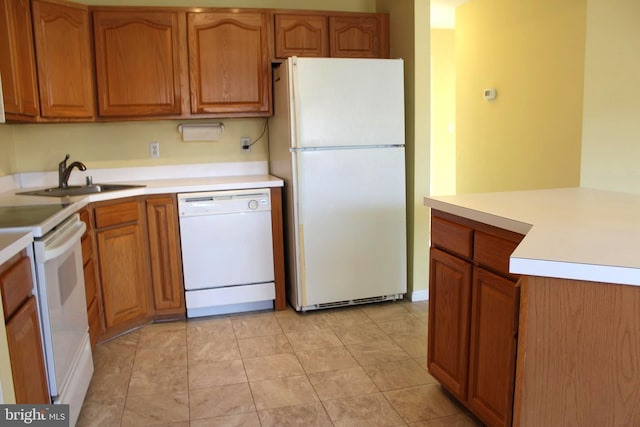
(64, 171)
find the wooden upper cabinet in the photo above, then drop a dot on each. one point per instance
(63, 52)
(138, 62)
(229, 67)
(301, 35)
(359, 36)
(17, 61)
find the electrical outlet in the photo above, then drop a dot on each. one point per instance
(245, 141)
(154, 149)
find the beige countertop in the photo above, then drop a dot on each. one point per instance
(11, 244)
(571, 233)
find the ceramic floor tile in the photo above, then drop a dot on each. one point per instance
(162, 338)
(255, 326)
(115, 358)
(202, 350)
(210, 328)
(240, 420)
(358, 334)
(375, 352)
(275, 366)
(384, 310)
(153, 409)
(110, 387)
(281, 392)
(368, 410)
(459, 420)
(311, 340)
(221, 401)
(168, 379)
(326, 359)
(106, 413)
(216, 374)
(346, 317)
(342, 383)
(399, 374)
(149, 358)
(302, 322)
(264, 346)
(312, 415)
(422, 403)
(405, 324)
(416, 345)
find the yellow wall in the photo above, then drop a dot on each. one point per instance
(7, 157)
(532, 52)
(443, 112)
(611, 127)
(410, 41)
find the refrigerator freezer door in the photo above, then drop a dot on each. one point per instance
(352, 224)
(344, 102)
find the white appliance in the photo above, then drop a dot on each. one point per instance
(1, 102)
(337, 140)
(61, 296)
(227, 251)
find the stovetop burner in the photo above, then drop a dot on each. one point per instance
(34, 218)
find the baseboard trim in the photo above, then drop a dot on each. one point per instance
(422, 295)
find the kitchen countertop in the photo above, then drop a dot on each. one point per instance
(571, 233)
(11, 244)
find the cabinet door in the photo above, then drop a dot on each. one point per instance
(164, 253)
(123, 274)
(25, 352)
(63, 52)
(494, 320)
(229, 68)
(355, 37)
(301, 35)
(449, 315)
(138, 62)
(17, 61)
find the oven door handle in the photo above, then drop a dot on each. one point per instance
(61, 243)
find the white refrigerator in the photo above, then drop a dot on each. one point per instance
(337, 140)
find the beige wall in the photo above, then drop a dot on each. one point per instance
(611, 127)
(443, 112)
(532, 52)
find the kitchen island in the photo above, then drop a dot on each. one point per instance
(578, 333)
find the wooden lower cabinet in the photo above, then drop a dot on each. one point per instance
(95, 314)
(124, 271)
(473, 315)
(23, 332)
(165, 256)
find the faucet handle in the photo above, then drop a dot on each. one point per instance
(64, 162)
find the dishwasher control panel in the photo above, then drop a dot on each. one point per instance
(224, 202)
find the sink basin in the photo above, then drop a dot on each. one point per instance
(79, 190)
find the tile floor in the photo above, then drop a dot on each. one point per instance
(357, 366)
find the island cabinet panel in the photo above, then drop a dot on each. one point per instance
(229, 67)
(301, 35)
(138, 62)
(473, 315)
(17, 61)
(124, 270)
(165, 256)
(23, 332)
(63, 52)
(449, 298)
(578, 354)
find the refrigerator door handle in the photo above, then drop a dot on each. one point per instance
(295, 107)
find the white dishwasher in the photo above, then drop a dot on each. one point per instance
(227, 251)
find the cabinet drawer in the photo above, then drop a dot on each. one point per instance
(121, 213)
(451, 236)
(16, 285)
(493, 251)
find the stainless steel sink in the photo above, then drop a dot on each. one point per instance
(79, 190)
